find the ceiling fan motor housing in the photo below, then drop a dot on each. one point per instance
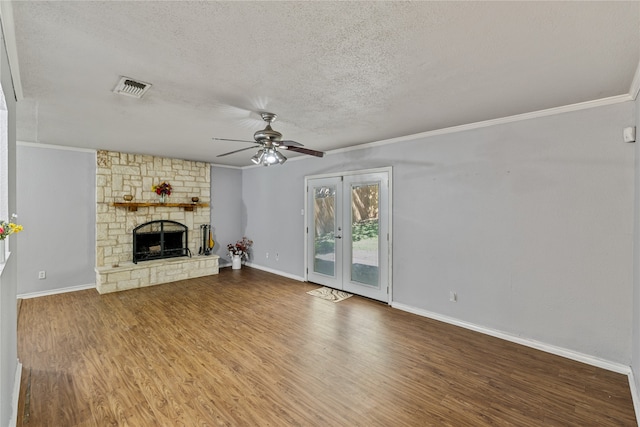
(267, 136)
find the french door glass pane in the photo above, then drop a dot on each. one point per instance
(365, 239)
(324, 259)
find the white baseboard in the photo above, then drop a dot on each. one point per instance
(558, 351)
(57, 291)
(634, 395)
(278, 272)
(16, 396)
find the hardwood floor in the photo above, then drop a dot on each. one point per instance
(248, 348)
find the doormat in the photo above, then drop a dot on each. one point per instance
(330, 294)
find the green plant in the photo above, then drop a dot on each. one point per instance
(364, 229)
(325, 244)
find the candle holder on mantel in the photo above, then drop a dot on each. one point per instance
(127, 197)
(195, 199)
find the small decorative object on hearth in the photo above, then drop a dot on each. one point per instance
(163, 191)
(6, 229)
(238, 252)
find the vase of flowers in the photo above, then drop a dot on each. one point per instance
(7, 228)
(238, 252)
(162, 190)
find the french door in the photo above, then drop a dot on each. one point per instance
(348, 232)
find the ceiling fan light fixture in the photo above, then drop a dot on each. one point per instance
(258, 157)
(280, 157)
(270, 157)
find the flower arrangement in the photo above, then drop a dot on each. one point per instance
(8, 227)
(240, 248)
(164, 188)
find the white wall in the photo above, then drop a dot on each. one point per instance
(8, 275)
(227, 210)
(530, 222)
(57, 208)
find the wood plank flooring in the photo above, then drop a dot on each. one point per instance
(249, 348)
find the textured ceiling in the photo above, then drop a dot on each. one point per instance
(338, 74)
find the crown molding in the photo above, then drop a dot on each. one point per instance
(9, 33)
(478, 125)
(227, 166)
(54, 147)
(493, 122)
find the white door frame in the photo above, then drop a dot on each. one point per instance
(389, 171)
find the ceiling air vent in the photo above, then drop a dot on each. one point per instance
(130, 87)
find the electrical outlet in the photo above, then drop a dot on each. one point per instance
(42, 274)
(267, 255)
(453, 297)
(277, 256)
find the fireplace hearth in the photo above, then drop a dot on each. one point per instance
(160, 239)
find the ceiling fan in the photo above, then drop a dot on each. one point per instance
(270, 142)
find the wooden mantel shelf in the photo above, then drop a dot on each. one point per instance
(133, 206)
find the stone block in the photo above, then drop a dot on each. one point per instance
(102, 232)
(103, 208)
(100, 194)
(141, 273)
(119, 276)
(105, 217)
(116, 184)
(109, 261)
(147, 183)
(128, 284)
(157, 163)
(177, 216)
(106, 288)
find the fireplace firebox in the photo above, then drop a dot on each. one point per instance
(160, 239)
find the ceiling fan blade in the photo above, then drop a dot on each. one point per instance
(304, 151)
(289, 144)
(235, 140)
(237, 151)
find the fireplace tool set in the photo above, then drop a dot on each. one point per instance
(207, 240)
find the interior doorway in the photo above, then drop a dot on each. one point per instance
(348, 232)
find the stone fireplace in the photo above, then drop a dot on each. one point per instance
(120, 174)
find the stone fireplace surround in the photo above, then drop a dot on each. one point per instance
(118, 174)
